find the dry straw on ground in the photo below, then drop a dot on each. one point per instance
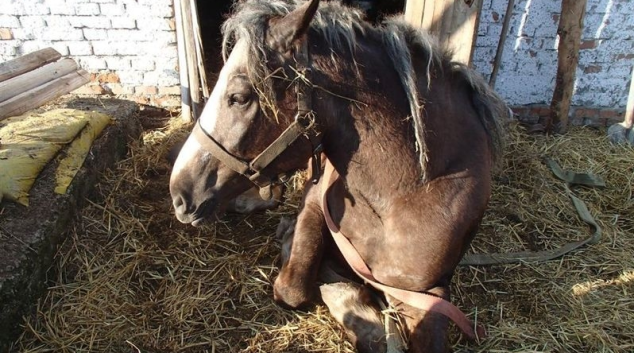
(130, 278)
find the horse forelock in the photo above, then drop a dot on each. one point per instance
(341, 28)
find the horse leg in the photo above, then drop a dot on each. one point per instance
(351, 304)
(427, 330)
(296, 284)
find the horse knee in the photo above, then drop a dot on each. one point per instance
(352, 306)
(292, 292)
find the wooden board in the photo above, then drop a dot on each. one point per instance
(28, 62)
(36, 97)
(453, 22)
(20, 84)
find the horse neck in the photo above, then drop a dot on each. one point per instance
(367, 134)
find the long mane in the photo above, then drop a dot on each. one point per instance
(340, 27)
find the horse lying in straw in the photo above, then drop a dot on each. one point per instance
(405, 138)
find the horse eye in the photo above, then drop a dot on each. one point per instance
(238, 99)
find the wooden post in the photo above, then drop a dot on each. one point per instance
(27, 63)
(628, 121)
(569, 31)
(500, 50)
(186, 102)
(453, 22)
(200, 57)
(190, 50)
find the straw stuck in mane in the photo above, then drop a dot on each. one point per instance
(341, 28)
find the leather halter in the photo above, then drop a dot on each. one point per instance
(304, 125)
(418, 300)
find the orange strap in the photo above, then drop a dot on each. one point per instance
(418, 300)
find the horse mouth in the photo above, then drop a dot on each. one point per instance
(199, 221)
(200, 216)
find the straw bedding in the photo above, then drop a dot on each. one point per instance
(130, 278)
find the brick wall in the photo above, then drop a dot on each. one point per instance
(129, 46)
(529, 64)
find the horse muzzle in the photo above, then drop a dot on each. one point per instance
(188, 214)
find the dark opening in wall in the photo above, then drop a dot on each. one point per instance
(211, 14)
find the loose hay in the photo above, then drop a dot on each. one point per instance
(131, 278)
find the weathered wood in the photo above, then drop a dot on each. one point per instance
(186, 102)
(414, 10)
(628, 121)
(20, 84)
(500, 50)
(190, 50)
(200, 57)
(569, 31)
(453, 22)
(36, 97)
(28, 62)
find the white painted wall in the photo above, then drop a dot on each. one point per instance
(529, 64)
(130, 45)
(136, 40)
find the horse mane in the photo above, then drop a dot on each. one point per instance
(340, 26)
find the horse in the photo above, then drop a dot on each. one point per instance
(401, 143)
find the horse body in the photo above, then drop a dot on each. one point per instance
(412, 135)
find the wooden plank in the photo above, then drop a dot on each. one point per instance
(414, 10)
(427, 22)
(628, 121)
(200, 57)
(453, 22)
(500, 50)
(190, 51)
(43, 94)
(28, 62)
(186, 102)
(464, 29)
(20, 84)
(569, 31)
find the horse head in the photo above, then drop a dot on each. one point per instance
(255, 126)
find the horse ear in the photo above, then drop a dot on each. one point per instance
(283, 32)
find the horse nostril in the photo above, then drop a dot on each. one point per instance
(179, 204)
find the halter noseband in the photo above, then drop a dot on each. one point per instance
(304, 124)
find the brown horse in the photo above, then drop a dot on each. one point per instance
(412, 135)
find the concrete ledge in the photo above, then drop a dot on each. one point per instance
(29, 236)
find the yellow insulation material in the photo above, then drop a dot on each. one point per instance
(29, 142)
(77, 152)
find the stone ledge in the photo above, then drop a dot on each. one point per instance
(30, 236)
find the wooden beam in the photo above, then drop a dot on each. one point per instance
(414, 10)
(190, 50)
(500, 50)
(628, 121)
(453, 22)
(186, 102)
(20, 84)
(28, 62)
(200, 56)
(569, 31)
(36, 97)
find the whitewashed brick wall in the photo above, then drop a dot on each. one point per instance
(529, 64)
(128, 45)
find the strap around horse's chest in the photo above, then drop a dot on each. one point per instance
(418, 300)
